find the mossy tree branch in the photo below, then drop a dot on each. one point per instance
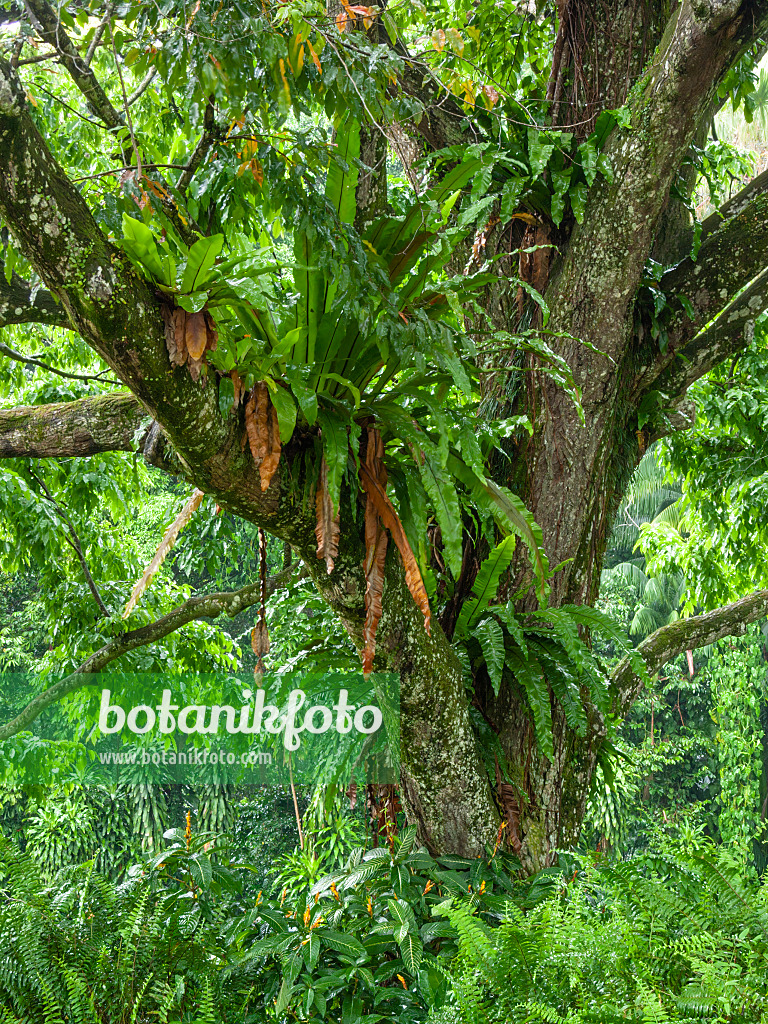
(88, 426)
(731, 332)
(19, 304)
(687, 635)
(731, 257)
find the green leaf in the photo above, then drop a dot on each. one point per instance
(200, 261)
(490, 636)
(306, 397)
(540, 149)
(578, 196)
(509, 196)
(335, 449)
(285, 408)
(341, 183)
(530, 676)
(193, 302)
(442, 493)
(412, 952)
(139, 243)
(486, 584)
(346, 945)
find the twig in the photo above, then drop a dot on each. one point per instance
(295, 803)
(120, 170)
(74, 542)
(97, 35)
(200, 150)
(126, 107)
(142, 87)
(33, 361)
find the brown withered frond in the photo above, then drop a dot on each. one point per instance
(373, 477)
(327, 528)
(169, 539)
(263, 432)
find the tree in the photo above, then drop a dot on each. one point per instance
(583, 304)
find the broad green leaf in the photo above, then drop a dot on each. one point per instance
(200, 261)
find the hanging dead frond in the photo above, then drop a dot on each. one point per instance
(352, 794)
(165, 546)
(376, 540)
(327, 527)
(188, 336)
(237, 388)
(510, 806)
(373, 477)
(263, 432)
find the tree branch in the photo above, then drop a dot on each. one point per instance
(34, 361)
(201, 149)
(706, 323)
(74, 542)
(686, 635)
(731, 332)
(729, 259)
(701, 42)
(19, 306)
(53, 32)
(88, 426)
(734, 206)
(210, 606)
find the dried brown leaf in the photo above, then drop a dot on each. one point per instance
(510, 805)
(260, 639)
(263, 433)
(165, 546)
(274, 447)
(327, 528)
(213, 334)
(376, 540)
(373, 478)
(237, 387)
(196, 335)
(174, 320)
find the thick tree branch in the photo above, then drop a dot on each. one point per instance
(201, 149)
(700, 44)
(701, 290)
(19, 306)
(729, 259)
(731, 332)
(53, 32)
(88, 426)
(735, 205)
(686, 635)
(209, 606)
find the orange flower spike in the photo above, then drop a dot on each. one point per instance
(188, 830)
(402, 982)
(428, 887)
(335, 892)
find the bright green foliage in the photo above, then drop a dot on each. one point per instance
(543, 652)
(671, 938)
